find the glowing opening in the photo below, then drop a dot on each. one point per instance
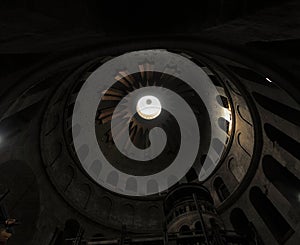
(148, 107)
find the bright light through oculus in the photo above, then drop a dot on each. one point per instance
(148, 107)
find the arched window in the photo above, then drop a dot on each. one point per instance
(283, 140)
(221, 189)
(185, 230)
(128, 214)
(198, 227)
(243, 226)
(239, 221)
(285, 182)
(106, 203)
(71, 230)
(276, 223)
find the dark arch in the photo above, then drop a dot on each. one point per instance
(273, 219)
(221, 189)
(198, 227)
(285, 141)
(71, 230)
(243, 226)
(153, 215)
(185, 230)
(106, 204)
(285, 182)
(239, 221)
(128, 214)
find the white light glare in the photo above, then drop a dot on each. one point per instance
(148, 107)
(269, 80)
